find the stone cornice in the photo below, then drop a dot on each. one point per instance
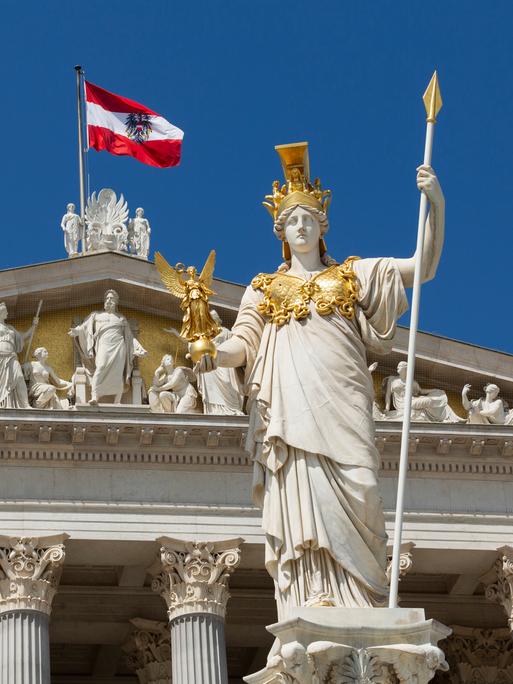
(129, 435)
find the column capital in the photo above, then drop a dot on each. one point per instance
(498, 582)
(148, 651)
(30, 570)
(479, 655)
(192, 576)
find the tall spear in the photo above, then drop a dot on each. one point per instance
(433, 103)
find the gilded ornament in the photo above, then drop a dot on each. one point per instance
(298, 189)
(198, 326)
(334, 289)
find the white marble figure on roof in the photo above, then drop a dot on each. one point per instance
(13, 390)
(43, 383)
(73, 229)
(427, 406)
(106, 339)
(487, 410)
(172, 390)
(221, 390)
(139, 232)
(302, 335)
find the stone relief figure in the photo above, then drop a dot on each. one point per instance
(105, 218)
(302, 334)
(72, 226)
(139, 232)
(13, 390)
(172, 390)
(43, 383)
(221, 390)
(105, 339)
(487, 410)
(428, 406)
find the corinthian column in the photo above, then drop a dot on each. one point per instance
(192, 578)
(30, 570)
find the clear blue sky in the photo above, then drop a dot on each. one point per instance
(240, 77)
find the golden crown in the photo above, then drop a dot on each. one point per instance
(298, 189)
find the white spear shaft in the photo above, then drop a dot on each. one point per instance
(433, 102)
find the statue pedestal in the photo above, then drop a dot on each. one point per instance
(346, 645)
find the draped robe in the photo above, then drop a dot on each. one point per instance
(312, 440)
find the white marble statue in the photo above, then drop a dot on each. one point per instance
(172, 390)
(139, 232)
(105, 218)
(427, 406)
(487, 410)
(43, 383)
(221, 390)
(302, 334)
(13, 390)
(105, 337)
(72, 226)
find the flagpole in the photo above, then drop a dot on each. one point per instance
(81, 163)
(433, 103)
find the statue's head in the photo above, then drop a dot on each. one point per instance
(216, 317)
(139, 212)
(40, 354)
(167, 362)
(299, 209)
(402, 369)
(3, 311)
(491, 391)
(71, 208)
(110, 300)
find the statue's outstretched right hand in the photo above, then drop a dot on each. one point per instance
(206, 364)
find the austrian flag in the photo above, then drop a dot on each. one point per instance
(125, 127)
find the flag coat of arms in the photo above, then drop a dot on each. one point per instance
(124, 127)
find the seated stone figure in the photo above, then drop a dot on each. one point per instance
(43, 383)
(172, 390)
(428, 406)
(487, 410)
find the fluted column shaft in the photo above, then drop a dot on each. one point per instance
(30, 570)
(199, 649)
(24, 648)
(192, 577)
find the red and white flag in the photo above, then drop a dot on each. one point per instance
(124, 127)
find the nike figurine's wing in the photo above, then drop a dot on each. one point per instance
(207, 273)
(169, 276)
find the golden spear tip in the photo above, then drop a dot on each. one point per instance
(432, 99)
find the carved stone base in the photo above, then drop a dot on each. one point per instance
(354, 646)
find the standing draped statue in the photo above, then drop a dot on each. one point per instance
(73, 229)
(221, 390)
(13, 390)
(105, 338)
(139, 232)
(302, 335)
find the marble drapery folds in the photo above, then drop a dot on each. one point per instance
(312, 438)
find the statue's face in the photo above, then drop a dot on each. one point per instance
(139, 212)
(302, 231)
(167, 362)
(402, 369)
(43, 354)
(71, 208)
(110, 302)
(3, 312)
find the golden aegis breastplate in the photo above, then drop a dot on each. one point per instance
(285, 295)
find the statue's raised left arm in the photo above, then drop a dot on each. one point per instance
(427, 182)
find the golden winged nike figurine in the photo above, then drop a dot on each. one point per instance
(198, 326)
